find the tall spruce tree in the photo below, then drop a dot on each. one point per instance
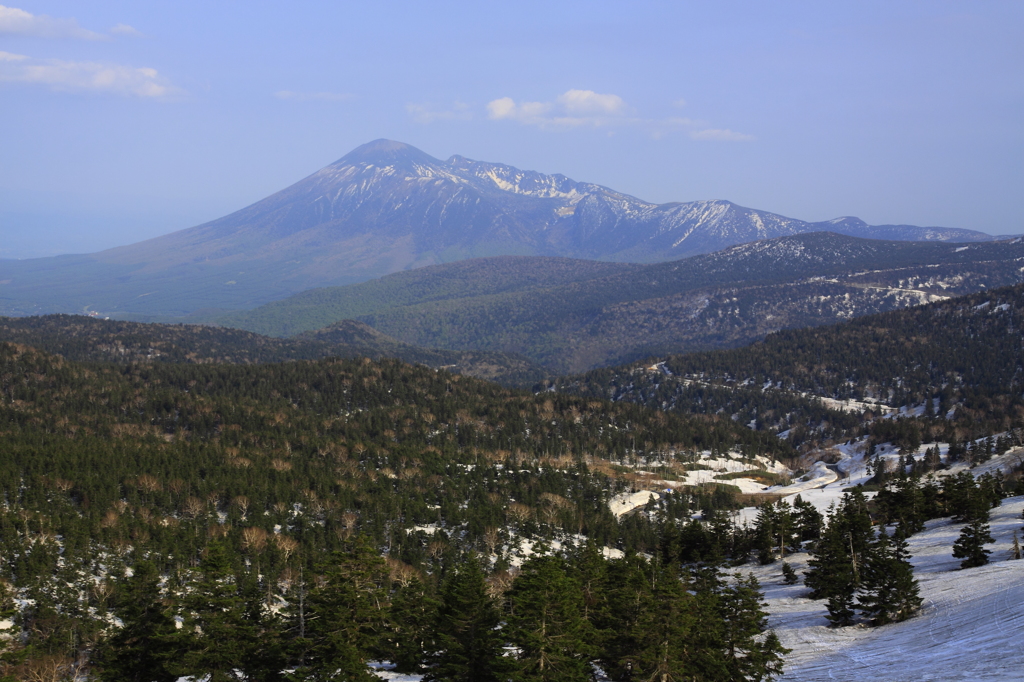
(217, 638)
(839, 556)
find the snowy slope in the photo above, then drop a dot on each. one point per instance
(971, 626)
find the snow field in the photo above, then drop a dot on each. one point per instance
(971, 626)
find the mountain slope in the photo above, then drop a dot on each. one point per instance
(571, 315)
(960, 360)
(387, 207)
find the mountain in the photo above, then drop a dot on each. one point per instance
(387, 207)
(961, 360)
(571, 316)
(85, 339)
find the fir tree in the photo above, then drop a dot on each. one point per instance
(546, 624)
(889, 591)
(141, 649)
(347, 617)
(970, 546)
(468, 641)
(218, 636)
(662, 635)
(789, 575)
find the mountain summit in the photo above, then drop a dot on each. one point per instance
(384, 207)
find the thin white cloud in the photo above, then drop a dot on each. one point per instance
(19, 22)
(426, 113)
(125, 30)
(720, 135)
(67, 76)
(590, 102)
(586, 108)
(314, 96)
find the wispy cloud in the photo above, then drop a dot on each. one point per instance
(314, 96)
(125, 30)
(20, 22)
(586, 108)
(427, 113)
(61, 75)
(720, 135)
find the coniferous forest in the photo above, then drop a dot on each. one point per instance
(299, 520)
(171, 517)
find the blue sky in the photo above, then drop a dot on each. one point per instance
(125, 120)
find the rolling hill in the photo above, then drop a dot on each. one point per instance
(570, 316)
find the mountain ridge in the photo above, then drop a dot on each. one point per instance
(386, 207)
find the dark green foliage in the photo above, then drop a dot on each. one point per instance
(789, 575)
(970, 546)
(347, 618)
(468, 644)
(889, 592)
(545, 622)
(220, 634)
(144, 648)
(837, 565)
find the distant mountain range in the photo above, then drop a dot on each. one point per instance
(387, 207)
(574, 315)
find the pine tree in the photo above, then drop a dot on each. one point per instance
(835, 568)
(469, 645)
(217, 637)
(662, 635)
(413, 625)
(789, 575)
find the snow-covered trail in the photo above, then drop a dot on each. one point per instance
(971, 626)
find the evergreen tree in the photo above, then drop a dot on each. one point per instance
(142, 648)
(469, 645)
(546, 624)
(662, 634)
(789, 575)
(217, 637)
(347, 618)
(836, 566)
(970, 546)
(889, 592)
(809, 520)
(413, 625)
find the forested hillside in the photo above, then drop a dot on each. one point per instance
(77, 337)
(960, 363)
(235, 480)
(571, 316)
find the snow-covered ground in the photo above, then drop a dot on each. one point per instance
(971, 626)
